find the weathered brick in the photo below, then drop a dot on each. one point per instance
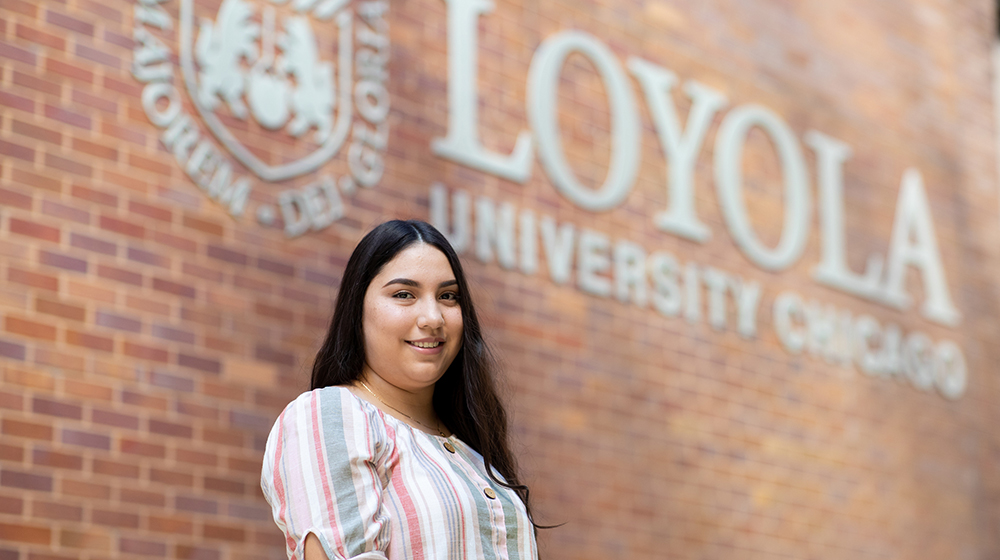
(115, 518)
(64, 212)
(15, 199)
(34, 229)
(57, 460)
(175, 288)
(36, 132)
(56, 510)
(66, 116)
(15, 101)
(34, 279)
(117, 322)
(14, 52)
(95, 149)
(142, 547)
(87, 340)
(144, 352)
(38, 84)
(26, 481)
(207, 365)
(85, 439)
(59, 309)
(68, 22)
(123, 227)
(18, 151)
(92, 195)
(108, 105)
(87, 243)
(119, 275)
(41, 405)
(29, 328)
(114, 419)
(65, 262)
(68, 165)
(147, 257)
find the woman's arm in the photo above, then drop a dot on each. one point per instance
(314, 550)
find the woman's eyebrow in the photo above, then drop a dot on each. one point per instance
(415, 284)
(403, 281)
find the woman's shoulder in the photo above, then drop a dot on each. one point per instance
(333, 405)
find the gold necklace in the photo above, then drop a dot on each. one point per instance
(367, 388)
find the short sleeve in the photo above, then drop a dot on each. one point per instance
(327, 462)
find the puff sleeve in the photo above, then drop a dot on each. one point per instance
(326, 465)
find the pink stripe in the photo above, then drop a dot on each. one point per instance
(279, 487)
(324, 475)
(412, 520)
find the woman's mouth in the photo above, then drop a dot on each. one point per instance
(424, 344)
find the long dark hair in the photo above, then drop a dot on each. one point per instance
(465, 398)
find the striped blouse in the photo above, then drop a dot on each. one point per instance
(370, 487)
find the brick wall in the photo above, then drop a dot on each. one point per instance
(148, 339)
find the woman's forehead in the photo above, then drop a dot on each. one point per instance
(418, 260)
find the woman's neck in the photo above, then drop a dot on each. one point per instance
(416, 407)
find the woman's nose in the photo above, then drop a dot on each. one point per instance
(430, 315)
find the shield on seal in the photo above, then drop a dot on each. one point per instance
(248, 62)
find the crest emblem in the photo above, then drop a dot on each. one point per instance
(278, 84)
(251, 64)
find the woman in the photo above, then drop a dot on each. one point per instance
(400, 449)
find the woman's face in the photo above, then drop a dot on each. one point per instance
(412, 320)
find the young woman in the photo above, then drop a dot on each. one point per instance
(400, 449)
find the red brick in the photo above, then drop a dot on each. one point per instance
(36, 132)
(70, 23)
(147, 257)
(185, 552)
(30, 329)
(132, 496)
(59, 309)
(56, 460)
(91, 195)
(115, 419)
(170, 429)
(65, 262)
(142, 547)
(61, 360)
(148, 305)
(28, 178)
(13, 52)
(98, 56)
(12, 506)
(29, 430)
(15, 199)
(177, 525)
(115, 518)
(34, 379)
(66, 116)
(207, 365)
(33, 35)
(87, 340)
(38, 84)
(31, 534)
(84, 489)
(274, 312)
(116, 469)
(87, 243)
(223, 532)
(175, 288)
(50, 407)
(86, 439)
(25, 481)
(22, 7)
(119, 275)
(34, 279)
(129, 88)
(225, 485)
(11, 453)
(117, 322)
(16, 102)
(95, 149)
(196, 505)
(123, 133)
(204, 226)
(11, 401)
(155, 212)
(60, 511)
(34, 229)
(17, 151)
(108, 105)
(68, 165)
(136, 447)
(148, 164)
(64, 212)
(121, 226)
(145, 352)
(92, 539)
(171, 478)
(223, 436)
(197, 457)
(144, 400)
(89, 391)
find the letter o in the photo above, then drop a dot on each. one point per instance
(543, 83)
(729, 144)
(919, 360)
(372, 100)
(153, 93)
(951, 376)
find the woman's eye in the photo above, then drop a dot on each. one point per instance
(402, 295)
(451, 296)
